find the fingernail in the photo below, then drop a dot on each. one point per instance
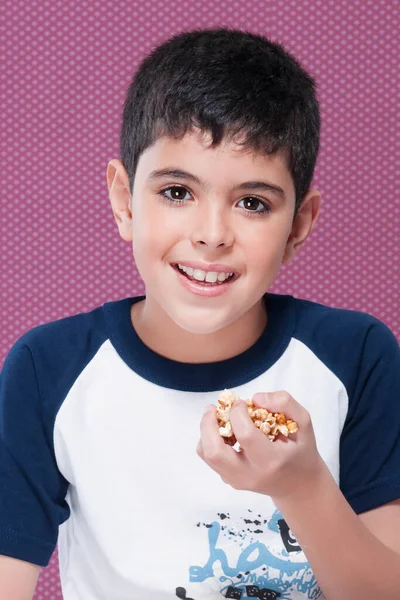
(209, 408)
(239, 402)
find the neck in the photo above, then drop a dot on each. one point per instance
(162, 335)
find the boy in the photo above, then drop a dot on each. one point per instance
(100, 412)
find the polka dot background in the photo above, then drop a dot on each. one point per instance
(64, 71)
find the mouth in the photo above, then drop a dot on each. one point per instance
(200, 277)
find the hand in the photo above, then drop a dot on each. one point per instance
(277, 469)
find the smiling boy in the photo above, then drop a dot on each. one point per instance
(245, 237)
(100, 412)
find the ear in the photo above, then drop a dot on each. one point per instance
(303, 224)
(120, 198)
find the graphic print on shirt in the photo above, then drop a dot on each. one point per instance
(262, 559)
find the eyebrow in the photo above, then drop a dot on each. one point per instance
(246, 185)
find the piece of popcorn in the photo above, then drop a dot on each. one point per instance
(280, 418)
(292, 426)
(283, 429)
(260, 413)
(265, 427)
(226, 430)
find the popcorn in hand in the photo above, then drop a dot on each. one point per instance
(271, 424)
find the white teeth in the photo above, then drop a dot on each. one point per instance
(208, 276)
(211, 277)
(199, 275)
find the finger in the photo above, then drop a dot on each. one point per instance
(199, 449)
(249, 437)
(282, 402)
(212, 446)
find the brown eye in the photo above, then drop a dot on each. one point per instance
(175, 193)
(254, 205)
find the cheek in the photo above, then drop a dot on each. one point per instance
(265, 251)
(152, 219)
(146, 225)
(153, 237)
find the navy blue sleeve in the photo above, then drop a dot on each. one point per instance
(370, 440)
(32, 490)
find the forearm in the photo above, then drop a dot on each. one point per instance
(349, 562)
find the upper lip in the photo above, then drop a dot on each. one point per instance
(218, 268)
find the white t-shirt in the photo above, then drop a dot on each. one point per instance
(98, 438)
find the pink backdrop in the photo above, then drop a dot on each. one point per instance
(67, 66)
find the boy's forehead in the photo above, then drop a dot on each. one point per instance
(193, 153)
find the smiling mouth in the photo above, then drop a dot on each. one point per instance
(203, 282)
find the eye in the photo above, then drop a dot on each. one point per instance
(174, 194)
(252, 203)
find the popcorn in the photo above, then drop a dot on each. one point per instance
(271, 424)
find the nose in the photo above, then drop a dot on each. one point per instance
(212, 227)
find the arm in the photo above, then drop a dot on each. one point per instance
(17, 579)
(32, 490)
(330, 533)
(348, 559)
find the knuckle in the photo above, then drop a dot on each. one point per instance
(246, 436)
(284, 397)
(307, 422)
(213, 458)
(235, 485)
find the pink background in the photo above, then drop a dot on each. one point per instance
(65, 68)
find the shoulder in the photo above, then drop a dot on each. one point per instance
(54, 354)
(313, 317)
(349, 342)
(70, 330)
(317, 322)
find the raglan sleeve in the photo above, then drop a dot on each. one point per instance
(370, 440)
(32, 490)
